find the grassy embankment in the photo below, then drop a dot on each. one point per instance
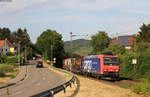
(8, 69)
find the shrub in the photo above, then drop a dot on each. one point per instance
(141, 52)
(117, 49)
(6, 68)
(12, 59)
(142, 88)
(2, 73)
(10, 54)
(3, 59)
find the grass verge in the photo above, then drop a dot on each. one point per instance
(142, 88)
(7, 72)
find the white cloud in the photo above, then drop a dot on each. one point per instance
(86, 15)
(69, 4)
(18, 5)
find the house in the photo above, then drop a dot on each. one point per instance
(128, 41)
(6, 46)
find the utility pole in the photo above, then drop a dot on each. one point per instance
(19, 54)
(71, 36)
(25, 55)
(51, 54)
(71, 42)
(5, 48)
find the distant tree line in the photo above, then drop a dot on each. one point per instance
(20, 36)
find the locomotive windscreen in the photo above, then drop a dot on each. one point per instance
(111, 61)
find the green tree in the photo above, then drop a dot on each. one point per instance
(50, 44)
(100, 41)
(21, 36)
(117, 49)
(5, 33)
(144, 33)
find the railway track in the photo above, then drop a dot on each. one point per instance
(111, 81)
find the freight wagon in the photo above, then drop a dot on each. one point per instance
(95, 65)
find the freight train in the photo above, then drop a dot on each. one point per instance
(94, 65)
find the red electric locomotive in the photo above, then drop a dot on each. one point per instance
(97, 65)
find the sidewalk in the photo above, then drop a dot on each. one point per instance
(18, 78)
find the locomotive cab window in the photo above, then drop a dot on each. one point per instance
(111, 61)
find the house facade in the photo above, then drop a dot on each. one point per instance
(128, 41)
(6, 46)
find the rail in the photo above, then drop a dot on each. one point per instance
(53, 91)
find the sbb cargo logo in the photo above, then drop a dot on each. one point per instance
(87, 65)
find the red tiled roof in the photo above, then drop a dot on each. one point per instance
(2, 43)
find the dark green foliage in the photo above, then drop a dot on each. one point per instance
(5, 33)
(10, 54)
(127, 68)
(144, 33)
(2, 74)
(50, 44)
(8, 65)
(3, 59)
(117, 49)
(16, 36)
(6, 68)
(21, 36)
(141, 69)
(12, 60)
(142, 88)
(100, 41)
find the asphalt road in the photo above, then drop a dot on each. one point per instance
(36, 81)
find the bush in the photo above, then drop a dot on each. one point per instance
(128, 70)
(117, 49)
(3, 59)
(10, 54)
(6, 68)
(12, 59)
(141, 52)
(142, 88)
(2, 73)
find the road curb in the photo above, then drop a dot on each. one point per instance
(14, 83)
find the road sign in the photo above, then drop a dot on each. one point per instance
(134, 61)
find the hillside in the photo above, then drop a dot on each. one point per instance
(79, 46)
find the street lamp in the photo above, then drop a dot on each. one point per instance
(19, 54)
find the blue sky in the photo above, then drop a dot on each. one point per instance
(78, 16)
